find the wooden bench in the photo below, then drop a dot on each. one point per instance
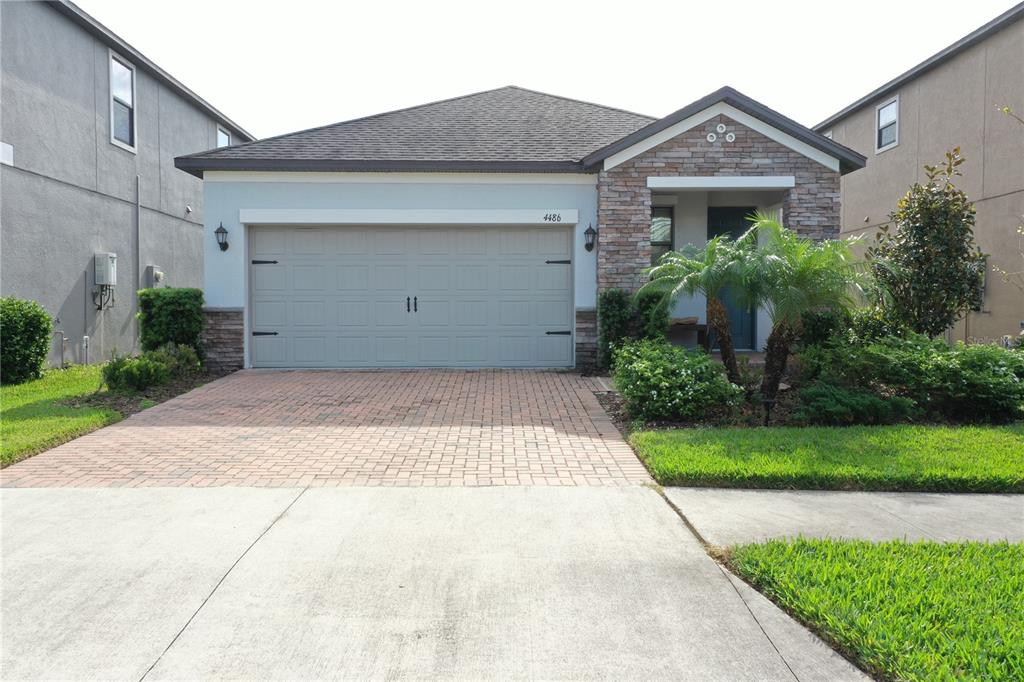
(692, 324)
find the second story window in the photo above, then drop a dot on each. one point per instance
(122, 103)
(223, 138)
(887, 126)
(661, 233)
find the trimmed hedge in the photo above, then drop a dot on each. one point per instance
(25, 330)
(170, 315)
(660, 381)
(652, 314)
(615, 320)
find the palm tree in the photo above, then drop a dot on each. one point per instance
(707, 271)
(790, 274)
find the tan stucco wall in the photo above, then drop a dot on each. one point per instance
(954, 105)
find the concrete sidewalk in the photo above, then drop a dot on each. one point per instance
(725, 517)
(357, 583)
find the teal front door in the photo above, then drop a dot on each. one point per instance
(733, 221)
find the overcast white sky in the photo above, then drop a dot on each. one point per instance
(275, 67)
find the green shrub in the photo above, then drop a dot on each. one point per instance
(660, 381)
(868, 325)
(957, 383)
(181, 361)
(170, 316)
(615, 321)
(820, 326)
(837, 406)
(25, 331)
(135, 374)
(652, 309)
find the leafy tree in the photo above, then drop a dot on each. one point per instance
(789, 275)
(930, 267)
(707, 271)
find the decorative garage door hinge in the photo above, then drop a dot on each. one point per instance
(565, 333)
(264, 262)
(264, 333)
(557, 262)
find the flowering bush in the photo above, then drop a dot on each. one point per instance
(660, 381)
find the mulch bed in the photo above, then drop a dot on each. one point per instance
(129, 402)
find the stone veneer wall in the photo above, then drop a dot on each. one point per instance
(586, 339)
(223, 339)
(624, 202)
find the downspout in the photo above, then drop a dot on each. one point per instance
(138, 257)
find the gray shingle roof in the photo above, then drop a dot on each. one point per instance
(507, 129)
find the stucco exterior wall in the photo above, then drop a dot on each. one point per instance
(70, 192)
(954, 105)
(225, 270)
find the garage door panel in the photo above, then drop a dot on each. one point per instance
(354, 351)
(270, 351)
(310, 314)
(554, 350)
(433, 277)
(353, 277)
(271, 313)
(484, 297)
(353, 314)
(310, 278)
(308, 241)
(309, 350)
(553, 243)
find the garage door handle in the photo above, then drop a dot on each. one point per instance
(264, 262)
(264, 333)
(407, 309)
(415, 307)
(557, 262)
(565, 333)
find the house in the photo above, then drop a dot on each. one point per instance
(478, 231)
(89, 128)
(949, 100)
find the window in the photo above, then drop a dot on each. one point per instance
(887, 128)
(122, 103)
(223, 138)
(662, 231)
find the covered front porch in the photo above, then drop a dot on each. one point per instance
(691, 210)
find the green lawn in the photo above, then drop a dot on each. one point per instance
(907, 611)
(31, 420)
(935, 458)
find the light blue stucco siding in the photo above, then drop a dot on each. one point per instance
(225, 272)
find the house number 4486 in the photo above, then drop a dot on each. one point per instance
(552, 217)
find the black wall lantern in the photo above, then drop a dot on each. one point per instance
(222, 237)
(591, 236)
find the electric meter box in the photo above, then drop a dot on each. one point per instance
(106, 269)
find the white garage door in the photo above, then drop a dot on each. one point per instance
(411, 297)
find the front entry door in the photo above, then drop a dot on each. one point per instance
(733, 221)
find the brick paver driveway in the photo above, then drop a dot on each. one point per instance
(408, 428)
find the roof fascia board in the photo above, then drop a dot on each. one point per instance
(721, 108)
(424, 178)
(196, 166)
(141, 61)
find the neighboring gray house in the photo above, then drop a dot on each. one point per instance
(89, 129)
(479, 231)
(950, 100)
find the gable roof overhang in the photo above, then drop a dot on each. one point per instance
(743, 110)
(80, 17)
(938, 59)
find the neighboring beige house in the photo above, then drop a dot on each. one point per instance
(949, 100)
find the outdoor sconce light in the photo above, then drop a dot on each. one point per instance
(591, 236)
(222, 237)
